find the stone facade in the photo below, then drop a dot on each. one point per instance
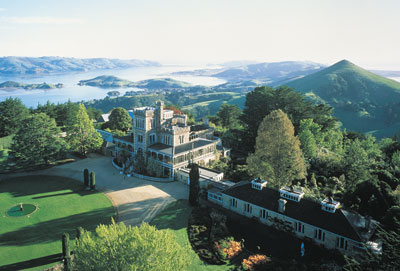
(168, 139)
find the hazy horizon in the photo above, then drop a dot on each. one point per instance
(364, 32)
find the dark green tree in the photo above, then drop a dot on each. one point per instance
(389, 260)
(119, 119)
(228, 115)
(38, 141)
(86, 177)
(92, 180)
(12, 113)
(194, 186)
(66, 251)
(94, 113)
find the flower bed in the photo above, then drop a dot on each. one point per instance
(227, 248)
(254, 261)
(199, 235)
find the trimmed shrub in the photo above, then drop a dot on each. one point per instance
(86, 177)
(92, 180)
(68, 264)
(65, 245)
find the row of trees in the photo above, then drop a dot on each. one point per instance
(45, 134)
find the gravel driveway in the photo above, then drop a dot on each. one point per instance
(135, 200)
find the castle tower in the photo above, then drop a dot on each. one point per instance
(159, 113)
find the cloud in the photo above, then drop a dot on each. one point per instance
(40, 20)
(3, 9)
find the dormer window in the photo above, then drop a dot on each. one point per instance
(258, 184)
(329, 205)
(291, 193)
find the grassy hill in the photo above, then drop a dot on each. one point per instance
(161, 83)
(362, 100)
(106, 81)
(16, 85)
(109, 81)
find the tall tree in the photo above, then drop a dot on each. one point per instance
(119, 119)
(194, 186)
(81, 134)
(228, 115)
(263, 100)
(12, 112)
(38, 141)
(120, 247)
(277, 155)
(94, 113)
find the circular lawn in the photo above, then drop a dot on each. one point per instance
(62, 206)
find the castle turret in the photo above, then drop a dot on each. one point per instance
(159, 112)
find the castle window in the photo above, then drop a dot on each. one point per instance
(248, 208)
(319, 235)
(140, 138)
(341, 243)
(181, 139)
(152, 138)
(139, 123)
(233, 202)
(263, 213)
(299, 227)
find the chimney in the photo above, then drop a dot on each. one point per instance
(281, 205)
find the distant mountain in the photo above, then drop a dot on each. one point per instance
(275, 73)
(109, 81)
(11, 85)
(363, 101)
(12, 65)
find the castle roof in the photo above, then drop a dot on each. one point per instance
(341, 222)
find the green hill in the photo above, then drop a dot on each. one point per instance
(109, 81)
(161, 83)
(15, 85)
(363, 101)
(106, 81)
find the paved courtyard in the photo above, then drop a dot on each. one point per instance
(136, 200)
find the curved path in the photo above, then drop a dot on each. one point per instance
(135, 200)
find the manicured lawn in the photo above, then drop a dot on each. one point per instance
(63, 206)
(175, 218)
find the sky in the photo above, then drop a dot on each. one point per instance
(366, 32)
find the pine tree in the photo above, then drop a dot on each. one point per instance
(82, 136)
(277, 155)
(12, 113)
(194, 186)
(86, 177)
(92, 180)
(38, 141)
(65, 245)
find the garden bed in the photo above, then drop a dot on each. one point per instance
(199, 229)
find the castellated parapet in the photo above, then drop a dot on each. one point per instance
(176, 130)
(144, 111)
